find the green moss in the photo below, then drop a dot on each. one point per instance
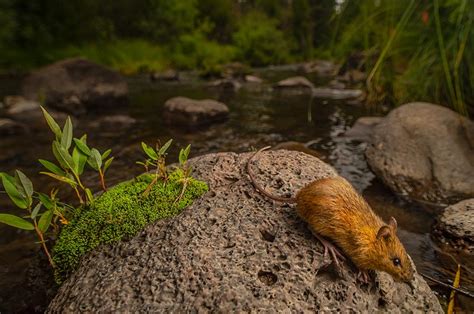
(120, 213)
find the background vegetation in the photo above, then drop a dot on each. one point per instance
(413, 50)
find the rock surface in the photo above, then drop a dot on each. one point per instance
(425, 151)
(76, 85)
(456, 225)
(188, 112)
(232, 251)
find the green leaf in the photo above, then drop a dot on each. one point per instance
(52, 123)
(107, 163)
(106, 154)
(66, 137)
(61, 178)
(46, 200)
(95, 159)
(65, 157)
(52, 167)
(79, 159)
(45, 221)
(149, 151)
(183, 154)
(26, 183)
(89, 195)
(81, 144)
(35, 211)
(12, 191)
(164, 148)
(16, 222)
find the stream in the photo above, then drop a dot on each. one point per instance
(259, 116)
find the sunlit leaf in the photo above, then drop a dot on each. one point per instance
(149, 151)
(17, 198)
(46, 200)
(66, 137)
(52, 123)
(81, 144)
(25, 183)
(89, 195)
(61, 178)
(16, 222)
(35, 211)
(106, 154)
(64, 155)
(79, 159)
(95, 159)
(107, 163)
(52, 167)
(45, 221)
(164, 148)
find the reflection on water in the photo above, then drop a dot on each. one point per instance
(259, 117)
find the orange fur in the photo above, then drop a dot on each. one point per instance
(336, 211)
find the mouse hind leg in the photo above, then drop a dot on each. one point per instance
(329, 248)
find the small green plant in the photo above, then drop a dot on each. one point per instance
(183, 162)
(20, 190)
(71, 165)
(157, 159)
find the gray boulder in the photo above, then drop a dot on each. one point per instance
(76, 85)
(456, 225)
(426, 152)
(186, 112)
(232, 251)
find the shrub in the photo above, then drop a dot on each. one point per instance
(260, 42)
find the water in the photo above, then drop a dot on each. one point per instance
(259, 117)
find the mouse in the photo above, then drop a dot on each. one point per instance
(339, 216)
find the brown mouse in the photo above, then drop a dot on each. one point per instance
(334, 210)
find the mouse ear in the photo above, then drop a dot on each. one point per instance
(393, 223)
(384, 232)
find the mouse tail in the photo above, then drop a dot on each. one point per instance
(261, 189)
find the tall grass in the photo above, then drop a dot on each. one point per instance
(424, 49)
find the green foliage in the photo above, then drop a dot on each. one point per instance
(425, 49)
(260, 42)
(71, 165)
(121, 213)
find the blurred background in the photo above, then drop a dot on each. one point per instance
(344, 59)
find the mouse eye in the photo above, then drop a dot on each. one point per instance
(396, 261)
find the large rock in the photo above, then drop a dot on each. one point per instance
(188, 112)
(425, 151)
(456, 225)
(76, 85)
(232, 251)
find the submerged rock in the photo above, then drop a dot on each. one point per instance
(226, 84)
(76, 85)
(168, 75)
(294, 82)
(232, 251)
(456, 225)
(425, 151)
(10, 127)
(188, 112)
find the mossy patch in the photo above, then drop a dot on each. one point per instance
(120, 213)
